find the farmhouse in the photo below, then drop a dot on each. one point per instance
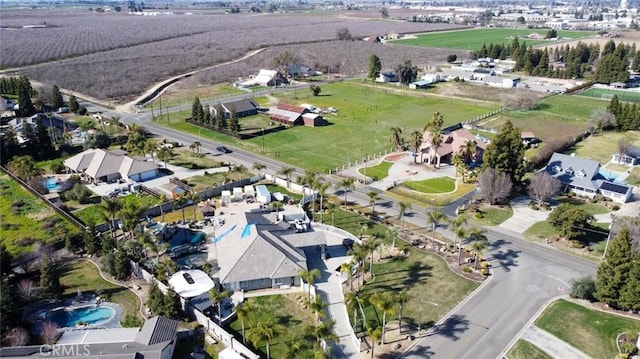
(295, 115)
(243, 108)
(582, 176)
(455, 140)
(155, 339)
(98, 165)
(269, 78)
(388, 76)
(299, 70)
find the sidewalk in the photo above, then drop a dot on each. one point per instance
(523, 216)
(551, 344)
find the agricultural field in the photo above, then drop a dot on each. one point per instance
(607, 94)
(473, 39)
(26, 220)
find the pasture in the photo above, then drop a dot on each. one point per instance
(607, 94)
(600, 147)
(473, 39)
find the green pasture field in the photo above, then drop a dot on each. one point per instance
(607, 94)
(473, 39)
(600, 147)
(172, 97)
(361, 127)
(589, 330)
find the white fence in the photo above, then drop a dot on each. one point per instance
(212, 328)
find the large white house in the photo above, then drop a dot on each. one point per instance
(99, 165)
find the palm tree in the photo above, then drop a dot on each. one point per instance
(110, 208)
(325, 332)
(165, 154)
(416, 141)
(25, 167)
(294, 346)
(180, 202)
(242, 311)
(192, 147)
(115, 121)
(480, 243)
(351, 302)
(287, 172)
(373, 197)
(317, 306)
(468, 151)
(309, 179)
(198, 146)
(401, 298)
(264, 332)
(347, 184)
(456, 160)
(309, 277)
(216, 296)
(375, 334)
(461, 233)
(372, 245)
(194, 198)
(331, 209)
(161, 201)
(396, 137)
(359, 253)
(434, 217)
(385, 303)
(258, 166)
(457, 223)
(131, 213)
(393, 233)
(347, 267)
(151, 147)
(403, 207)
(322, 191)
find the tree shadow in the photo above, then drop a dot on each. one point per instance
(504, 259)
(385, 204)
(419, 352)
(452, 327)
(417, 271)
(497, 243)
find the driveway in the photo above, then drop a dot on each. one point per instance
(551, 344)
(523, 216)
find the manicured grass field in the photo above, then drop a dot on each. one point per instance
(601, 146)
(541, 230)
(432, 185)
(403, 194)
(492, 216)
(591, 208)
(379, 171)
(284, 310)
(607, 94)
(525, 350)
(24, 219)
(473, 39)
(84, 276)
(589, 330)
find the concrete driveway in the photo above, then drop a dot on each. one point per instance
(523, 216)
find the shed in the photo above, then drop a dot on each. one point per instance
(249, 191)
(313, 120)
(225, 197)
(237, 194)
(228, 353)
(263, 195)
(422, 84)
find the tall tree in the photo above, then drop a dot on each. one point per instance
(434, 217)
(630, 296)
(385, 303)
(396, 138)
(26, 107)
(415, 139)
(242, 311)
(570, 220)
(479, 244)
(216, 297)
(407, 72)
(506, 153)
(25, 167)
(56, 97)
(494, 186)
(373, 197)
(375, 66)
(73, 104)
(50, 279)
(347, 184)
(109, 209)
(402, 211)
(287, 172)
(309, 277)
(613, 272)
(544, 186)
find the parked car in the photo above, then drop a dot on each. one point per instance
(223, 149)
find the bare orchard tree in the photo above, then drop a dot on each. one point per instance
(544, 186)
(522, 100)
(600, 120)
(26, 289)
(17, 337)
(625, 145)
(494, 186)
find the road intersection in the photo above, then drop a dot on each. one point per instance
(524, 276)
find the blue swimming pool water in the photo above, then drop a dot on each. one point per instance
(246, 231)
(192, 260)
(91, 315)
(51, 184)
(610, 176)
(186, 236)
(224, 234)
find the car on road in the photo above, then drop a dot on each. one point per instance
(223, 149)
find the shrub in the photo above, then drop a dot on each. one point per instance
(577, 244)
(615, 207)
(534, 206)
(467, 269)
(479, 215)
(583, 288)
(484, 264)
(452, 58)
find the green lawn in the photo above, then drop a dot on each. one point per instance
(185, 157)
(84, 276)
(361, 127)
(378, 172)
(634, 177)
(525, 350)
(492, 216)
(592, 208)
(25, 220)
(403, 194)
(589, 330)
(284, 310)
(607, 94)
(541, 230)
(432, 185)
(600, 147)
(179, 97)
(473, 39)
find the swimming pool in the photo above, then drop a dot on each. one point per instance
(186, 236)
(51, 184)
(246, 232)
(224, 234)
(192, 260)
(610, 175)
(90, 315)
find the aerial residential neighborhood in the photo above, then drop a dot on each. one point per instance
(320, 180)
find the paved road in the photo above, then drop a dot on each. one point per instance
(525, 274)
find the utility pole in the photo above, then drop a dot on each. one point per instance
(263, 140)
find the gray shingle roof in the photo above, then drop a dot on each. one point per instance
(576, 171)
(240, 105)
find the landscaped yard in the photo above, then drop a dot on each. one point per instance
(361, 127)
(25, 220)
(600, 147)
(525, 350)
(403, 194)
(377, 172)
(473, 39)
(491, 215)
(432, 185)
(84, 276)
(591, 331)
(95, 214)
(184, 157)
(292, 319)
(591, 208)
